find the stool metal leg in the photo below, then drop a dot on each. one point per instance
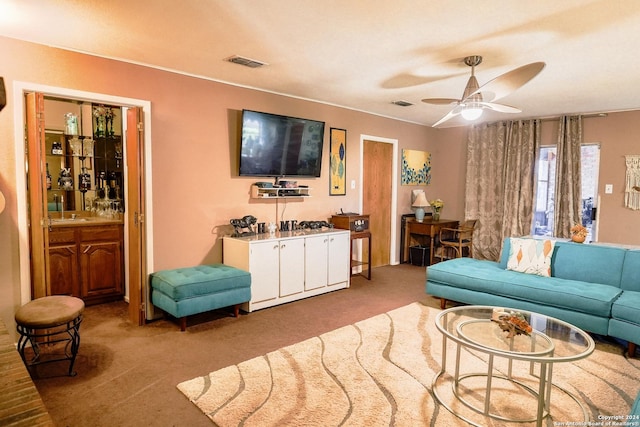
(51, 336)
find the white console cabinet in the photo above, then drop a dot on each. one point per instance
(290, 265)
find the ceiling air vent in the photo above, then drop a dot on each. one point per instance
(402, 103)
(247, 62)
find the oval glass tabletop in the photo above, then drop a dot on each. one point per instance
(549, 339)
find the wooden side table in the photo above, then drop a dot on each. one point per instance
(357, 235)
(359, 227)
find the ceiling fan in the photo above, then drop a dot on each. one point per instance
(476, 98)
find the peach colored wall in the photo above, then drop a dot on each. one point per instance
(194, 148)
(194, 152)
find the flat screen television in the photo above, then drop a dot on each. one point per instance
(280, 146)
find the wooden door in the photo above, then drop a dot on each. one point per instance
(138, 294)
(377, 191)
(37, 202)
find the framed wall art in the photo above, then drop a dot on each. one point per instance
(338, 162)
(416, 167)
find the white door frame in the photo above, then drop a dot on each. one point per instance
(19, 90)
(394, 188)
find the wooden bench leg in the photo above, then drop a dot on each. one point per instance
(443, 303)
(183, 323)
(631, 349)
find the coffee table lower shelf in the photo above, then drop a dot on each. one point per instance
(490, 393)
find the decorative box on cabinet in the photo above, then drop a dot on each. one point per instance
(291, 265)
(351, 221)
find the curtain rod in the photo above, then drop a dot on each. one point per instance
(584, 116)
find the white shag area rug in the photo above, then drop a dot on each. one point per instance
(379, 372)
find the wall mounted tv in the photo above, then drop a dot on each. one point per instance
(280, 146)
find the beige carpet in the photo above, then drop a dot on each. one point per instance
(379, 372)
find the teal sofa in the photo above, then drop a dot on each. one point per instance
(635, 409)
(594, 287)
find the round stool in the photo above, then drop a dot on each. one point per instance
(46, 321)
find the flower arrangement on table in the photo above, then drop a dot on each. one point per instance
(512, 322)
(579, 233)
(436, 207)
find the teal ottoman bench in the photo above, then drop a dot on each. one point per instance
(187, 291)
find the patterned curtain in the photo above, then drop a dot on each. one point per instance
(500, 182)
(568, 194)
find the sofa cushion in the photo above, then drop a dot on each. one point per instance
(630, 279)
(586, 263)
(489, 277)
(530, 256)
(627, 307)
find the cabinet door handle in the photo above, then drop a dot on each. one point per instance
(275, 246)
(283, 246)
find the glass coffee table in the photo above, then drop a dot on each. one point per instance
(482, 342)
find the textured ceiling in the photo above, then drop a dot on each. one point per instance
(364, 54)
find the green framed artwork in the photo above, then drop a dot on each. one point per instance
(416, 167)
(338, 162)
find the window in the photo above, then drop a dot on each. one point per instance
(546, 184)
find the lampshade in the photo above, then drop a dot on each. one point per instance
(421, 201)
(471, 112)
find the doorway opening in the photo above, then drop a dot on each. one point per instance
(127, 105)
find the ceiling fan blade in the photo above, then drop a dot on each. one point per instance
(441, 101)
(451, 114)
(500, 107)
(508, 82)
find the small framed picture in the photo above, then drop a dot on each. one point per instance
(338, 162)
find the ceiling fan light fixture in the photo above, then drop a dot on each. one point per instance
(471, 112)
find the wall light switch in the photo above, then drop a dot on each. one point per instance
(608, 189)
(353, 184)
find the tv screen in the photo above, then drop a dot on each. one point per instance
(274, 145)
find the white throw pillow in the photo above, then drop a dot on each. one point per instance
(531, 256)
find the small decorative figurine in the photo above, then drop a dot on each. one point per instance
(244, 226)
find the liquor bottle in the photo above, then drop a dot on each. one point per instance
(84, 181)
(48, 178)
(56, 148)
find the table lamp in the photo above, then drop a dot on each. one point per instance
(420, 203)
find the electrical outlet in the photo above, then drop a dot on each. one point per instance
(608, 189)
(353, 184)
